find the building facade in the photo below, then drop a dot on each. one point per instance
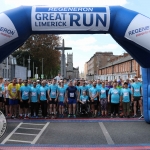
(71, 72)
(124, 67)
(98, 60)
(9, 69)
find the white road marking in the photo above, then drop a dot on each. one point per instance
(24, 133)
(19, 141)
(37, 136)
(29, 128)
(106, 134)
(34, 124)
(6, 139)
(40, 133)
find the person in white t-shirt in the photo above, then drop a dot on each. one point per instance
(59, 77)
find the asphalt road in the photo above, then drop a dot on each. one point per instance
(77, 132)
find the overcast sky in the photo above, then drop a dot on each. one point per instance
(84, 46)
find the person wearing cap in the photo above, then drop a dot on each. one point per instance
(126, 96)
(2, 91)
(137, 96)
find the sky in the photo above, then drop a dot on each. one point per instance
(85, 46)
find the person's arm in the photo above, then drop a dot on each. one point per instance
(57, 96)
(20, 96)
(66, 95)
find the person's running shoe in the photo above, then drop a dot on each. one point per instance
(74, 116)
(134, 116)
(26, 117)
(69, 116)
(12, 117)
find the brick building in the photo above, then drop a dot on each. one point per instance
(98, 60)
(123, 66)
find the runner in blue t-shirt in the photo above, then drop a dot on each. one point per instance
(53, 88)
(61, 99)
(83, 88)
(34, 100)
(24, 99)
(114, 98)
(126, 95)
(103, 98)
(94, 100)
(43, 98)
(72, 97)
(84, 99)
(137, 95)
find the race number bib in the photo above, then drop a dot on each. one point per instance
(42, 94)
(25, 93)
(53, 93)
(71, 94)
(136, 90)
(126, 94)
(115, 92)
(102, 91)
(84, 100)
(13, 90)
(61, 94)
(33, 93)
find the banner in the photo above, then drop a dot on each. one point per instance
(7, 30)
(139, 31)
(70, 18)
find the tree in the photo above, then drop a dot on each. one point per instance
(38, 47)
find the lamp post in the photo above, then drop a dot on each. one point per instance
(33, 69)
(63, 48)
(42, 69)
(29, 72)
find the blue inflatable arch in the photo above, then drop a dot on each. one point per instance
(130, 29)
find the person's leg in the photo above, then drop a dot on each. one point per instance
(135, 103)
(36, 109)
(117, 109)
(128, 109)
(105, 106)
(42, 107)
(45, 108)
(32, 109)
(124, 108)
(112, 109)
(74, 109)
(95, 108)
(141, 107)
(102, 106)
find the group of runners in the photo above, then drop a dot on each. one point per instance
(59, 97)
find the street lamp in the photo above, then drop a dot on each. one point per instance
(29, 72)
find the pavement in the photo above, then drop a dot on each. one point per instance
(76, 134)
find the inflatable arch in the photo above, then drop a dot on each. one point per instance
(130, 29)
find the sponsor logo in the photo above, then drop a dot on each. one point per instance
(7, 29)
(6, 32)
(71, 18)
(138, 31)
(3, 124)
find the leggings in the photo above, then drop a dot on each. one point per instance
(114, 108)
(103, 102)
(44, 108)
(34, 108)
